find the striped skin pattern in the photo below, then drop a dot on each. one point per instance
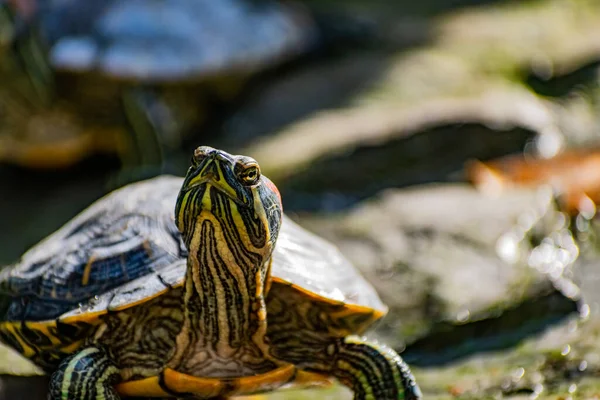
(230, 229)
(141, 339)
(372, 370)
(316, 337)
(87, 375)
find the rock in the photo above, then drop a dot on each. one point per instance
(15, 364)
(558, 363)
(18, 376)
(586, 270)
(341, 180)
(471, 68)
(370, 122)
(431, 252)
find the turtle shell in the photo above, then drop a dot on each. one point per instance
(84, 74)
(171, 40)
(125, 235)
(125, 249)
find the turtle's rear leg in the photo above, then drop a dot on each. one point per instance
(372, 370)
(87, 375)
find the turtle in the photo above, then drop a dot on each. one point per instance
(132, 78)
(196, 286)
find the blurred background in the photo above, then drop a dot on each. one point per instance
(446, 146)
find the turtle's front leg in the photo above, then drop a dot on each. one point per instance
(87, 375)
(372, 371)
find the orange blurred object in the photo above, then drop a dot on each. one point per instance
(455, 391)
(573, 175)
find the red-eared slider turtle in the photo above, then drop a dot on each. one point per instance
(130, 76)
(211, 300)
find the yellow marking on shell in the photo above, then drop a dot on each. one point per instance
(87, 270)
(213, 387)
(73, 347)
(347, 307)
(83, 316)
(144, 387)
(42, 328)
(351, 308)
(13, 329)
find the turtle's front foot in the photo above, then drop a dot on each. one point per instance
(373, 371)
(87, 375)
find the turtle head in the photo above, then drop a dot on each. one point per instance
(226, 198)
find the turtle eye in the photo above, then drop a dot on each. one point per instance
(248, 172)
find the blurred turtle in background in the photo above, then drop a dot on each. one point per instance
(129, 77)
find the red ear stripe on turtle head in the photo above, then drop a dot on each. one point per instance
(272, 186)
